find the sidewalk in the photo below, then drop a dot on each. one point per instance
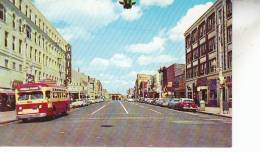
(8, 116)
(216, 111)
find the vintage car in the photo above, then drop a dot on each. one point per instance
(186, 104)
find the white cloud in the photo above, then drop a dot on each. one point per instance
(132, 14)
(157, 44)
(117, 60)
(161, 59)
(121, 60)
(193, 14)
(99, 62)
(161, 3)
(75, 14)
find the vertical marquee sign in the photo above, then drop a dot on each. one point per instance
(68, 65)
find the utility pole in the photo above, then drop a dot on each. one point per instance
(220, 69)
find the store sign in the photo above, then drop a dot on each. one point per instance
(202, 82)
(169, 84)
(29, 88)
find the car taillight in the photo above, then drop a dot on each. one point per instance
(40, 106)
(20, 108)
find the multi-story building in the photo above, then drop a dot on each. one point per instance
(91, 89)
(30, 47)
(179, 84)
(169, 82)
(78, 86)
(209, 55)
(142, 85)
(130, 93)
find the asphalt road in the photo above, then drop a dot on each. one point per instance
(120, 124)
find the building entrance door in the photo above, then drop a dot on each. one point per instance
(204, 94)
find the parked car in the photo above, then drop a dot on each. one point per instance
(153, 101)
(186, 104)
(165, 102)
(172, 102)
(159, 102)
(77, 103)
(130, 100)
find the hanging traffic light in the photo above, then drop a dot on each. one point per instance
(127, 4)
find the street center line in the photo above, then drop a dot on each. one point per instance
(98, 109)
(155, 111)
(123, 107)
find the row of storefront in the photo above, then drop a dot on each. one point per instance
(208, 89)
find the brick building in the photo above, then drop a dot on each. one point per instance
(209, 55)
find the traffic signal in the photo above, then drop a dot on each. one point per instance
(127, 4)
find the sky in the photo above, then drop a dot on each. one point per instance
(113, 44)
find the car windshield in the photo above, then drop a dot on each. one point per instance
(30, 96)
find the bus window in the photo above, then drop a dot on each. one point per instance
(24, 96)
(55, 95)
(36, 95)
(48, 94)
(30, 96)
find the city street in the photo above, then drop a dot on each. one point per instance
(119, 124)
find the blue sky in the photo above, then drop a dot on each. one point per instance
(113, 44)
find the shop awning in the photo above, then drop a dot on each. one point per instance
(7, 92)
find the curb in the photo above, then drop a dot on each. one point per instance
(214, 114)
(8, 121)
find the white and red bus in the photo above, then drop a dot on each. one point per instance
(38, 100)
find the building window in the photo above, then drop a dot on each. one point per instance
(6, 39)
(229, 34)
(189, 58)
(39, 57)
(195, 71)
(194, 36)
(212, 65)
(35, 37)
(13, 44)
(35, 19)
(20, 25)
(2, 13)
(6, 63)
(229, 8)
(229, 57)
(39, 40)
(202, 30)
(203, 68)
(28, 31)
(20, 5)
(195, 54)
(26, 10)
(14, 21)
(212, 45)
(203, 49)
(30, 14)
(14, 66)
(35, 55)
(20, 67)
(211, 23)
(20, 46)
(31, 52)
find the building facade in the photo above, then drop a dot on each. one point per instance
(169, 81)
(142, 85)
(78, 85)
(30, 47)
(209, 55)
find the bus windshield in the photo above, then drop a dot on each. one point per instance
(30, 96)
